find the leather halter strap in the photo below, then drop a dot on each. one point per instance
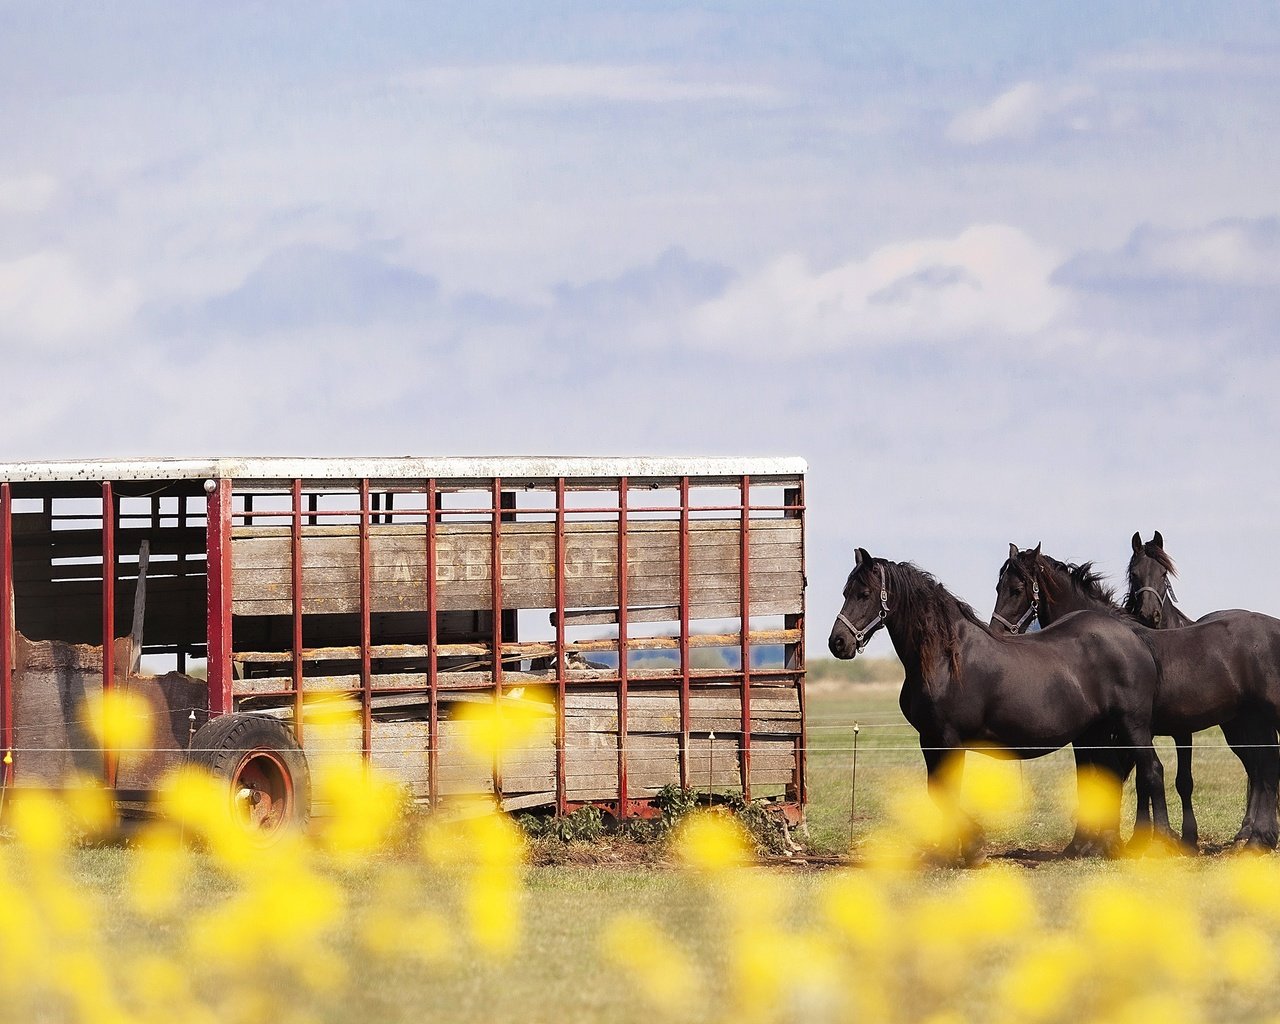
(1028, 617)
(863, 635)
(1168, 594)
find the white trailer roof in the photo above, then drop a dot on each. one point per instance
(509, 467)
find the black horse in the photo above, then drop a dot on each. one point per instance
(1152, 601)
(968, 687)
(1224, 671)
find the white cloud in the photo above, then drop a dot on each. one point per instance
(990, 279)
(1021, 112)
(28, 193)
(1234, 252)
(47, 300)
(568, 83)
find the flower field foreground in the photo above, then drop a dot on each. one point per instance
(371, 909)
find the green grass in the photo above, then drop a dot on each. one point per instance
(888, 751)
(559, 973)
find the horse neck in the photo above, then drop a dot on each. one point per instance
(1060, 595)
(920, 651)
(1176, 618)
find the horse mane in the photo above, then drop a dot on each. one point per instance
(1152, 550)
(934, 611)
(1083, 578)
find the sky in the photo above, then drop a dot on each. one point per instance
(998, 272)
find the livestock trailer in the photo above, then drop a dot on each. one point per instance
(654, 606)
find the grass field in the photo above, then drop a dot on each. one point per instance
(559, 973)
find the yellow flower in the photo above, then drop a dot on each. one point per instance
(991, 792)
(661, 971)
(523, 718)
(1246, 955)
(856, 907)
(39, 823)
(364, 807)
(119, 719)
(1098, 806)
(1044, 981)
(712, 842)
(157, 871)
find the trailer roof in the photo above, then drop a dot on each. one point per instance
(514, 468)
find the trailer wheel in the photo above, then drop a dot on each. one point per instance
(266, 773)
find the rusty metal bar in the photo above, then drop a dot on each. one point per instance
(561, 767)
(495, 589)
(218, 607)
(296, 546)
(433, 672)
(108, 610)
(366, 638)
(744, 593)
(623, 804)
(797, 655)
(7, 627)
(684, 632)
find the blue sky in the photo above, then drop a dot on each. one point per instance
(1000, 273)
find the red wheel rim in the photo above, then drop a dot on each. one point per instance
(262, 794)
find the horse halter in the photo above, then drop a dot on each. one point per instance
(1168, 594)
(863, 635)
(1028, 617)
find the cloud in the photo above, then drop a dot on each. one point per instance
(672, 281)
(990, 280)
(308, 286)
(577, 83)
(48, 300)
(27, 194)
(1022, 112)
(1233, 252)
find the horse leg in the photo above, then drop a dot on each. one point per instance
(1150, 780)
(1247, 736)
(1102, 758)
(945, 765)
(1254, 740)
(1185, 784)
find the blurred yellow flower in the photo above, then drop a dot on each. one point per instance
(363, 807)
(1246, 956)
(1042, 982)
(523, 718)
(119, 719)
(712, 841)
(662, 972)
(1098, 800)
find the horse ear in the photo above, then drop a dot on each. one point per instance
(1037, 551)
(1158, 540)
(1137, 542)
(859, 556)
(1013, 550)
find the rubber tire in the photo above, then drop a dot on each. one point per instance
(225, 745)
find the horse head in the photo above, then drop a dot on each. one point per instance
(866, 606)
(1150, 572)
(1018, 590)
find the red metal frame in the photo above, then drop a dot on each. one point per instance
(623, 793)
(366, 638)
(561, 685)
(744, 636)
(219, 530)
(801, 793)
(495, 589)
(218, 609)
(296, 545)
(109, 610)
(684, 632)
(7, 767)
(433, 680)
